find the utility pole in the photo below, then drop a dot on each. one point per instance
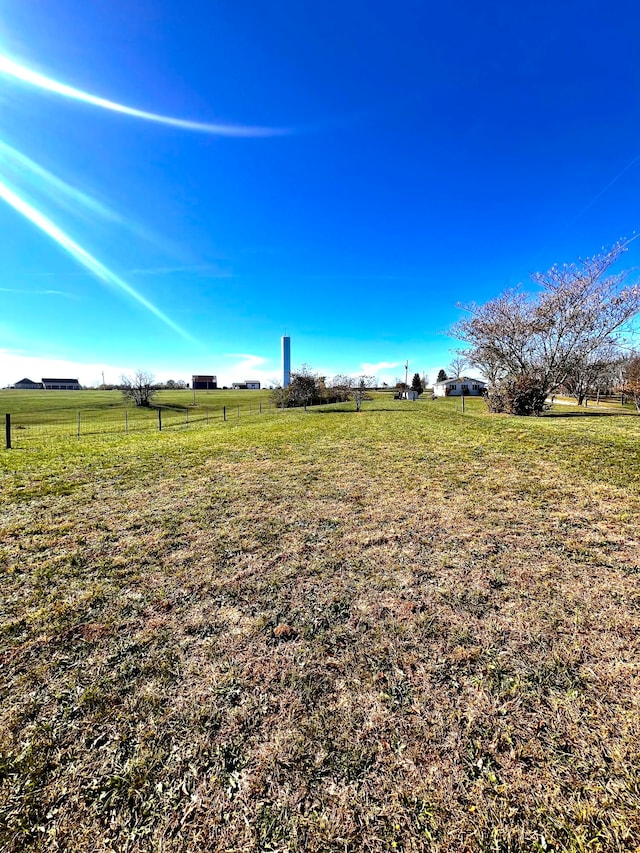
(406, 374)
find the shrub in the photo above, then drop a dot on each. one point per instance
(521, 395)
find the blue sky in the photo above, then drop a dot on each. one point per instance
(364, 167)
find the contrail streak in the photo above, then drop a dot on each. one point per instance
(23, 167)
(608, 186)
(41, 81)
(19, 169)
(82, 256)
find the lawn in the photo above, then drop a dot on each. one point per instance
(47, 415)
(402, 630)
(27, 402)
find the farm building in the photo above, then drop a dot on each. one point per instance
(248, 385)
(61, 385)
(28, 385)
(463, 385)
(203, 382)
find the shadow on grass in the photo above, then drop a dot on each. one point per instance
(315, 411)
(168, 407)
(353, 411)
(587, 414)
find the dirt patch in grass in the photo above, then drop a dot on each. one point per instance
(405, 630)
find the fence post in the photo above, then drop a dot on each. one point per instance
(78, 424)
(187, 417)
(7, 428)
(238, 411)
(126, 421)
(462, 398)
(224, 413)
(159, 420)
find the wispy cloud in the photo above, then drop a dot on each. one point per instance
(247, 359)
(24, 292)
(205, 269)
(22, 73)
(370, 368)
(249, 366)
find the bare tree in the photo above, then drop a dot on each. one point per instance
(138, 387)
(360, 388)
(589, 374)
(631, 384)
(353, 388)
(457, 366)
(279, 396)
(341, 386)
(527, 345)
(305, 387)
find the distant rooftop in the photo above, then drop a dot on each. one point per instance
(460, 379)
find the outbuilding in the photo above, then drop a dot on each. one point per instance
(61, 384)
(203, 382)
(28, 385)
(247, 385)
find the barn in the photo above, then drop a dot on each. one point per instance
(202, 382)
(61, 384)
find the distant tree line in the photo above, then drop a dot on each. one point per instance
(570, 335)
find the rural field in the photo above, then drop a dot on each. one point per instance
(407, 629)
(45, 415)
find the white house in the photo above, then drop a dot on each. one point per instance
(457, 387)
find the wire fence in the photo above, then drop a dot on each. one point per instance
(23, 429)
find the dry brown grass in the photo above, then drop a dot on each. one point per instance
(403, 630)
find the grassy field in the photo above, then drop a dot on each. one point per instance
(29, 402)
(62, 404)
(48, 415)
(403, 630)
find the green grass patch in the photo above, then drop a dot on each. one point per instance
(43, 416)
(405, 629)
